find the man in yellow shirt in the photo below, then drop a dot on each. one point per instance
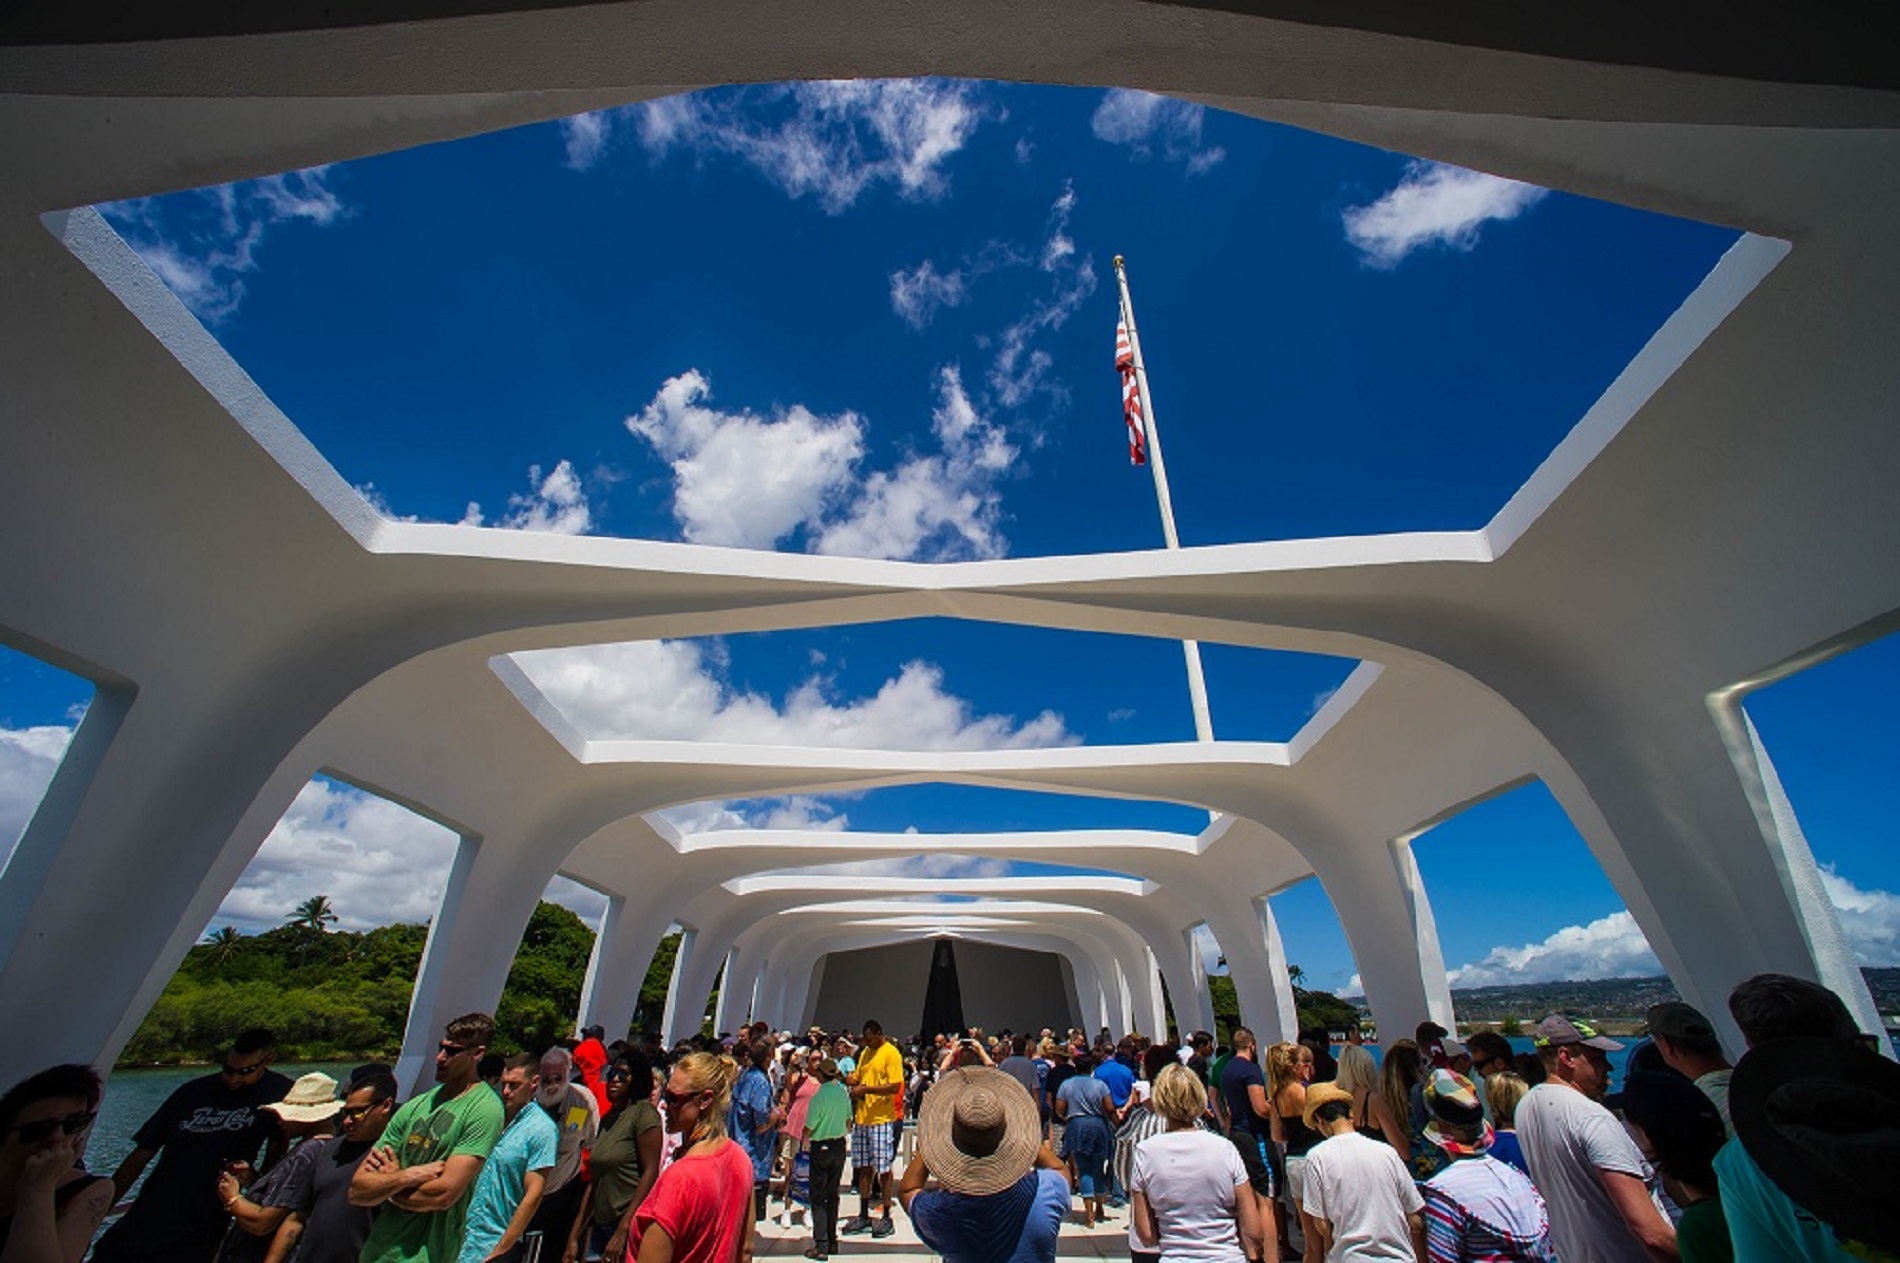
(874, 1085)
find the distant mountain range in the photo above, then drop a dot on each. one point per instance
(1605, 998)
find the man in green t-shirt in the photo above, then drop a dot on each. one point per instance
(422, 1172)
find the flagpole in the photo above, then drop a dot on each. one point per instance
(1191, 649)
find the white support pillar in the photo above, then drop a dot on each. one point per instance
(685, 996)
(1197, 1008)
(472, 944)
(1285, 1012)
(735, 997)
(1157, 1014)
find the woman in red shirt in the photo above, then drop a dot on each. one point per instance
(700, 1210)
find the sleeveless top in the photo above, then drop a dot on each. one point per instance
(61, 1196)
(1299, 1137)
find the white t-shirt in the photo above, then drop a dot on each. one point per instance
(1714, 1085)
(1364, 1190)
(1567, 1138)
(1190, 1178)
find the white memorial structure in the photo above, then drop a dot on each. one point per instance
(1724, 515)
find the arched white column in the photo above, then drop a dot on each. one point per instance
(691, 984)
(1197, 1007)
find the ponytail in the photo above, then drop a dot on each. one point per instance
(712, 1073)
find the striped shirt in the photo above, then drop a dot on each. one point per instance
(1481, 1209)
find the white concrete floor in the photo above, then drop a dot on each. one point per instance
(1104, 1241)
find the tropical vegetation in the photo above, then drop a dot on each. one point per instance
(331, 993)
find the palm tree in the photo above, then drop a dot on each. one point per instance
(314, 913)
(1295, 975)
(224, 944)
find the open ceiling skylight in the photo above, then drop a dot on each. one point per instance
(877, 319)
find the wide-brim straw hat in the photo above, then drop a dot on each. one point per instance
(311, 1099)
(978, 1131)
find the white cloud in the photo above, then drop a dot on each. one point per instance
(204, 244)
(933, 867)
(940, 505)
(743, 480)
(748, 481)
(28, 759)
(1869, 918)
(1155, 126)
(585, 138)
(1021, 369)
(555, 503)
(676, 690)
(917, 295)
(378, 862)
(1434, 204)
(1608, 947)
(583, 901)
(827, 140)
(1209, 948)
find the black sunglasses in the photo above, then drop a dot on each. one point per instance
(357, 1111)
(241, 1072)
(676, 1099)
(40, 1128)
(452, 1050)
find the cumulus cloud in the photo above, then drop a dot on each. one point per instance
(748, 481)
(830, 141)
(743, 480)
(376, 861)
(28, 759)
(1434, 205)
(1608, 947)
(555, 502)
(917, 295)
(1869, 918)
(203, 244)
(1613, 947)
(676, 690)
(1155, 127)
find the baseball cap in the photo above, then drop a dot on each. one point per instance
(1677, 1020)
(1558, 1030)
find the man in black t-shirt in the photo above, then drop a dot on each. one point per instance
(324, 1226)
(1244, 1091)
(206, 1125)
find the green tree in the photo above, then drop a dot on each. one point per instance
(314, 913)
(225, 944)
(1510, 1027)
(1295, 975)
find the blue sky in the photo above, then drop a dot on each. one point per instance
(878, 318)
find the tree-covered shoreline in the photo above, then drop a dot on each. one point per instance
(344, 994)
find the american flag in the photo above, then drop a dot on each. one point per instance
(1131, 396)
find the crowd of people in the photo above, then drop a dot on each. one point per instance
(1435, 1152)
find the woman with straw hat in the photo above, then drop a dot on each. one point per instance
(308, 1110)
(1003, 1192)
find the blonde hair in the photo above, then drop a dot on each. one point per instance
(1357, 1071)
(1503, 1092)
(1283, 1067)
(1179, 1095)
(709, 1072)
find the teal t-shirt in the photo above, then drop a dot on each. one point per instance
(428, 1129)
(828, 1116)
(530, 1142)
(1763, 1221)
